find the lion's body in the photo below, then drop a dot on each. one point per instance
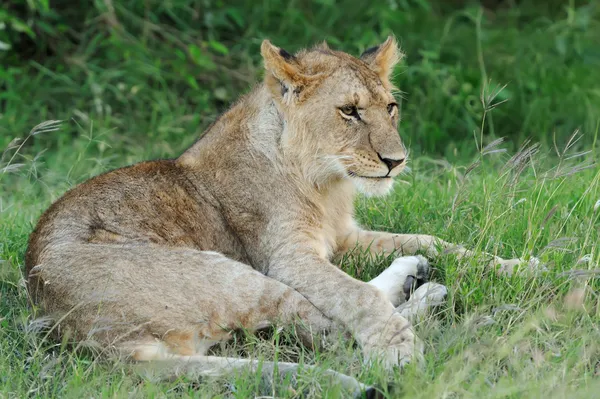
(111, 233)
(239, 231)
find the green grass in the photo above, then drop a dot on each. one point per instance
(146, 87)
(496, 336)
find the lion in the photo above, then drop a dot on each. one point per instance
(164, 259)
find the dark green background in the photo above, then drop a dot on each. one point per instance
(150, 75)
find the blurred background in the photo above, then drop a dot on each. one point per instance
(142, 78)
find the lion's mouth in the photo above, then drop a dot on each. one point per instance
(354, 174)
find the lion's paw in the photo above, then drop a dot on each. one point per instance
(394, 346)
(404, 275)
(420, 276)
(422, 300)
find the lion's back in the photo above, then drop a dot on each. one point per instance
(149, 202)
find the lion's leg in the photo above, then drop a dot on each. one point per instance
(187, 300)
(155, 303)
(164, 308)
(169, 365)
(287, 306)
(409, 244)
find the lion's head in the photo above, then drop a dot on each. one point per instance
(339, 112)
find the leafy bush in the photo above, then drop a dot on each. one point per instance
(127, 64)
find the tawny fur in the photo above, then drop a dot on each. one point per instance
(240, 230)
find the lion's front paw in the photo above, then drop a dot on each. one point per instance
(403, 276)
(395, 345)
(416, 280)
(416, 266)
(422, 300)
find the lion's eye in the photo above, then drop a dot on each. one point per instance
(349, 111)
(392, 108)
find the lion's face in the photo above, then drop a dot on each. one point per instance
(353, 119)
(341, 112)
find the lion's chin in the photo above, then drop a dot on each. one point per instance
(373, 187)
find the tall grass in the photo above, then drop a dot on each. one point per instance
(531, 334)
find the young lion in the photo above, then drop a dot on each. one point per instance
(164, 258)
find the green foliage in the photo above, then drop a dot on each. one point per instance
(134, 80)
(106, 60)
(23, 21)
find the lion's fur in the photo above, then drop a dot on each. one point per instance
(240, 229)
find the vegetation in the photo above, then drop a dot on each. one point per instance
(134, 80)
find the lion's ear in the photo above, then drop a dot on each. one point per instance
(281, 64)
(284, 75)
(383, 58)
(322, 46)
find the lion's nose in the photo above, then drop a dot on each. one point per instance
(391, 163)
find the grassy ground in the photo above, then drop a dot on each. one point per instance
(125, 98)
